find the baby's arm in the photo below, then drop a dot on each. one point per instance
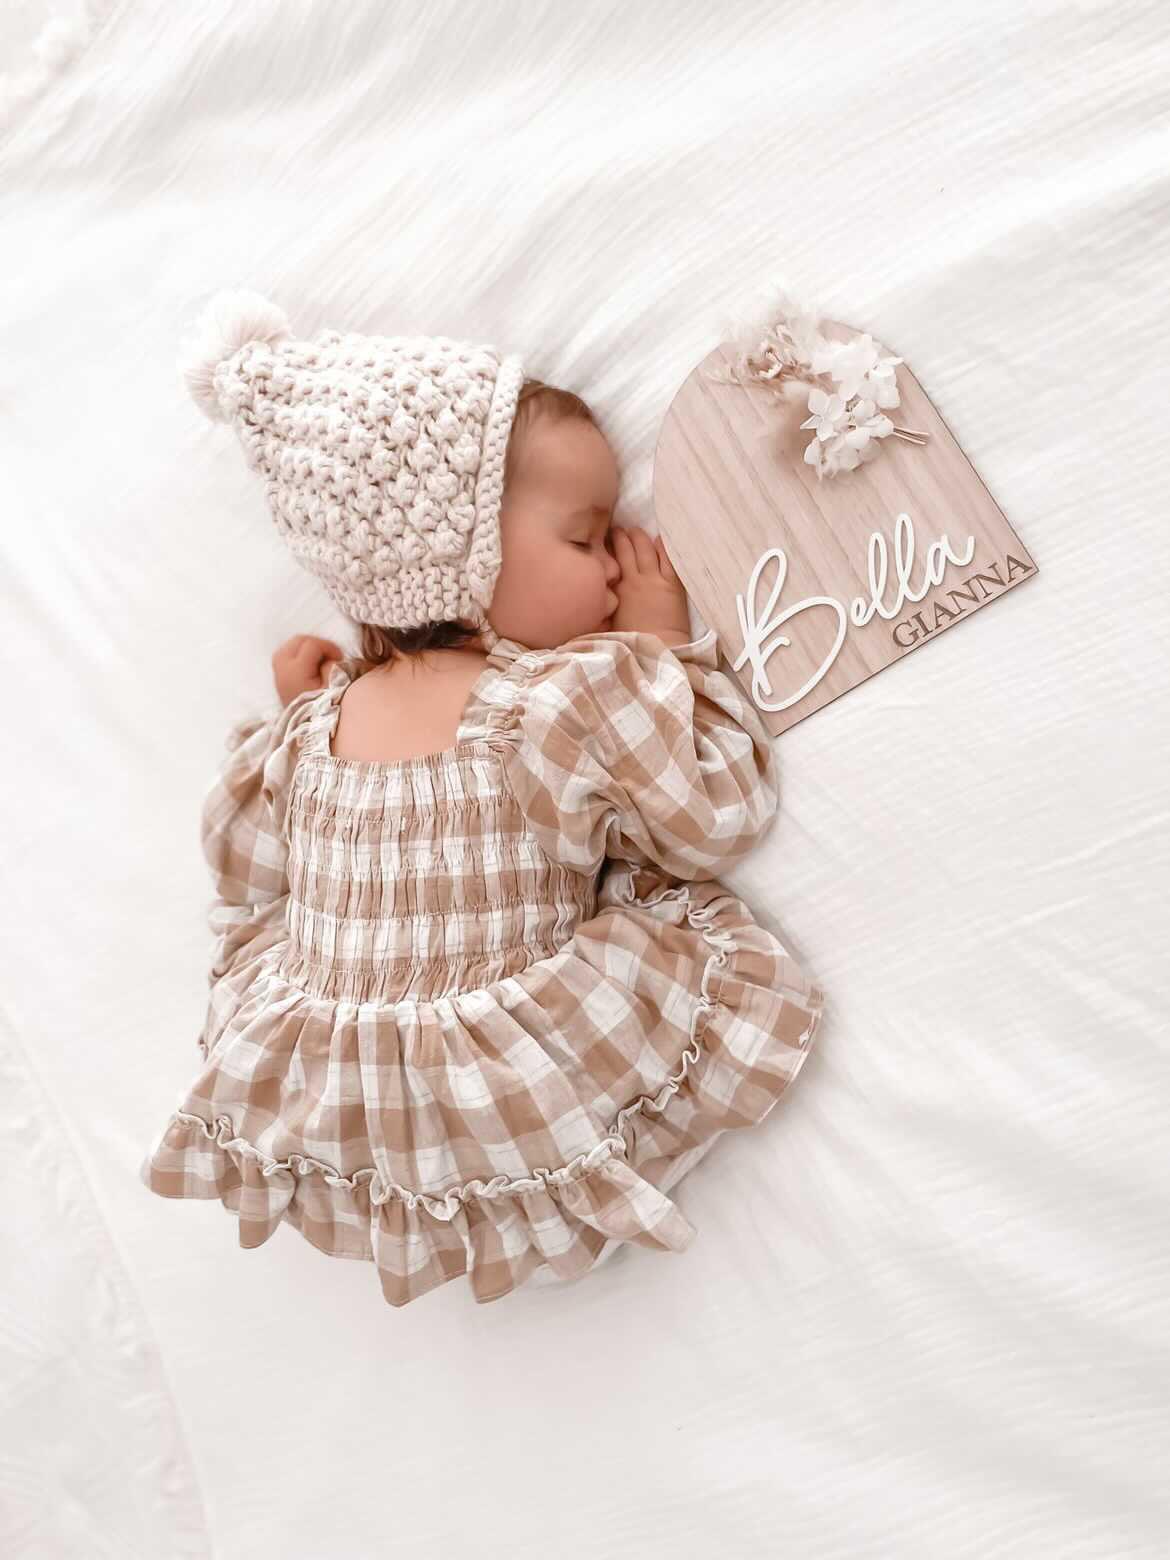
(632, 749)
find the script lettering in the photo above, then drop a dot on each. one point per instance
(755, 633)
(861, 611)
(759, 649)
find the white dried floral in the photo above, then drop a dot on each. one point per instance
(847, 382)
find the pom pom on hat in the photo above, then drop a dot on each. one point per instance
(230, 321)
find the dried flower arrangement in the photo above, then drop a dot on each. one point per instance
(846, 383)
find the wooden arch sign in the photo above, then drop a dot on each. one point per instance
(813, 585)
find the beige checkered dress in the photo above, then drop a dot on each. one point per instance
(475, 1012)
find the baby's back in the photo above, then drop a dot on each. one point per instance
(406, 708)
(413, 871)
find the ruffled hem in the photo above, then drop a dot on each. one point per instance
(496, 1232)
(500, 1231)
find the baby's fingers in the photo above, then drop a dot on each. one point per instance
(639, 547)
(664, 561)
(623, 549)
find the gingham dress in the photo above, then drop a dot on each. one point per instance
(476, 1012)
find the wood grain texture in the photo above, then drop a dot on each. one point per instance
(730, 482)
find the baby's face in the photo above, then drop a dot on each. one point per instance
(558, 572)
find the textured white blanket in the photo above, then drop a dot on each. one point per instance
(926, 1314)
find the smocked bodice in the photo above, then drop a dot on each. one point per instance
(418, 877)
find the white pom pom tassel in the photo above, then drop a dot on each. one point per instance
(230, 321)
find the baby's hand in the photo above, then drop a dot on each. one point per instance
(651, 597)
(303, 662)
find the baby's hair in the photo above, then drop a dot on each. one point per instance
(379, 645)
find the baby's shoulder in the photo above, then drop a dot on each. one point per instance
(619, 680)
(407, 708)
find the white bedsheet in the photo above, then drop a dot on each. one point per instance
(926, 1313)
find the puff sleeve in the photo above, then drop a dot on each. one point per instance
(640, 752)
(242, 830)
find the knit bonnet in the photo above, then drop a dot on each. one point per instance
(382, 456)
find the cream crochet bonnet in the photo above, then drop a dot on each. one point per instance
(382, 456)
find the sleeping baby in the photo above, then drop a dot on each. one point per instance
(477, 1000)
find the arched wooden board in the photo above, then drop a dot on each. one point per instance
(730, 484)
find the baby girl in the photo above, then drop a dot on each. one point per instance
(477, 1000)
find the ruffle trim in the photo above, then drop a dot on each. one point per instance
(486, 722)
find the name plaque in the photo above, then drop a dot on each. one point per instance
(814, 583)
